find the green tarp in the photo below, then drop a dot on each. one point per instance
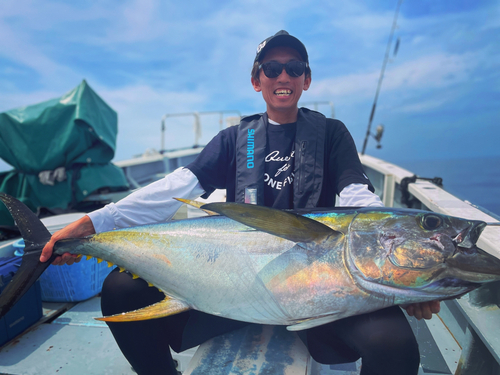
(72, 137)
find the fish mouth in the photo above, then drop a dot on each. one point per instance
(474, 265)
(470, 262)
(468, 237)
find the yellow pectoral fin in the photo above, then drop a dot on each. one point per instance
(161, 309)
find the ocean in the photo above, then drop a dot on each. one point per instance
(476, 180)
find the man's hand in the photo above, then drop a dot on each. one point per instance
(423, 309)
(80, 228)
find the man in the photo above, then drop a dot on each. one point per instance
(284, 158)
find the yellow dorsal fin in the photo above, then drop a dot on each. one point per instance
(196, 204)
(110, 264)
(161, 309)
(99, 260)
(121, 269)
(134, 276)
(149, 284)
(89, 257)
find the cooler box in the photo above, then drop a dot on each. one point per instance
(74, 283)
(28, 309)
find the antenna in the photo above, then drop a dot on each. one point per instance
(386, 58)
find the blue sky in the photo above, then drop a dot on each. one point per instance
(146, 58)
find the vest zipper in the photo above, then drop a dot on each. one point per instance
(302, 155)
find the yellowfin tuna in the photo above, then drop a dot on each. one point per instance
(262, 265)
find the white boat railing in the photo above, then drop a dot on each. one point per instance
(197, 123)
(432, 197)
(473, 321)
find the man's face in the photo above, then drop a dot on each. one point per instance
(283, 92)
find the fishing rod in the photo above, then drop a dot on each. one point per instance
(386, 59)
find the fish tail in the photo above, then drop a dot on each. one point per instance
(35, 236)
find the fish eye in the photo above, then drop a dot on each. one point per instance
(431, 221)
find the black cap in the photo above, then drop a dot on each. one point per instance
(281, 39)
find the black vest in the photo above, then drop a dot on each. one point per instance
(309, 158)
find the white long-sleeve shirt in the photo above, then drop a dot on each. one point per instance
(154, 203)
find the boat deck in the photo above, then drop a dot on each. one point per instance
(69, 343)
(67, 340)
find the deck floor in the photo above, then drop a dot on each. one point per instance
(73, 343)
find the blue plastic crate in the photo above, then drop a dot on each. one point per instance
(74, 283)
(26, 312)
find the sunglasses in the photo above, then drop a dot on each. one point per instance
(273, 69)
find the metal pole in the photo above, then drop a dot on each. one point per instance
(197, 126)
(386, 58)
(316, 106)
(162, 146)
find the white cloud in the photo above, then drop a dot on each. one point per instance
(424, 73)
(365, 23)
(17, 47)
(11, 100)
(151, 57)
(422, 106)
(434, 71)
(140, 109)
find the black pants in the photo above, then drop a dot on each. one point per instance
(383, 339)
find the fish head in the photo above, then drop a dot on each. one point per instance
(421, 251)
